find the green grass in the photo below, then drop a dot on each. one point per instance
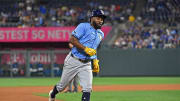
(173, 95)
(96, 81)
(123, 96)
(28, 81)
(136, 80)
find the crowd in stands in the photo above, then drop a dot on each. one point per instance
(163, 11)
(25, 13)
(140, 37)
(36, 13)
(148, 36)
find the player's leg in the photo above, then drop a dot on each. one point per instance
(75, 84)
(85, 78)
(59, 87)
(69, 86)
(67, 75)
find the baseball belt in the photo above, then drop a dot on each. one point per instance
(83, 61)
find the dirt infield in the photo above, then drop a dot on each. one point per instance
(27, 93)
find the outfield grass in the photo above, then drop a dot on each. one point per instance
(172, 95)
(123, 96)
(96, 81)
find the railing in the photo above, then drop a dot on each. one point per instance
(30, 63)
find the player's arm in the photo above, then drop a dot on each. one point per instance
(70, 45)
(75, 42)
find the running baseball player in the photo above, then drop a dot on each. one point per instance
(85, 40)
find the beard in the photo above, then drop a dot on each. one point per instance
(97, 25)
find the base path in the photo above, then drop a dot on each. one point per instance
(27, 93)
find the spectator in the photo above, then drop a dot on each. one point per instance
(150, 38)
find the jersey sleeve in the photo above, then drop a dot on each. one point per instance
(102, 34)
(79, 31)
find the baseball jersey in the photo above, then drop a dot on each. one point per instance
(88, 37)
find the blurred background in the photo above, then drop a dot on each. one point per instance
(142, 37)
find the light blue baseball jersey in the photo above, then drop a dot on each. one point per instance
(87, 36)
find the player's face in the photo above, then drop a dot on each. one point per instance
(97, 22)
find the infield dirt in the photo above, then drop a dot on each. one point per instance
(27, 93)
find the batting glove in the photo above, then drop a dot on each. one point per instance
(96, 65)
(90, 51)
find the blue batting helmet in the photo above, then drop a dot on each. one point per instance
(99, 13)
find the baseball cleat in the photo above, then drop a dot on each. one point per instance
(75, 91)
(50, 98)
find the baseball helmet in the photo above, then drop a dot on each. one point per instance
(98, 12)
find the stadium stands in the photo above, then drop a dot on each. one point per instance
(140, 37)
(24, 13)
(162, 11)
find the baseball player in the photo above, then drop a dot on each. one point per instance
(85, 40)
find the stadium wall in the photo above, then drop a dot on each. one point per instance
(117, 62)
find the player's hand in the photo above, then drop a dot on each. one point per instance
(96, 65)
(90, 51)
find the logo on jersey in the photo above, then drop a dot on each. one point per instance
(100, 37)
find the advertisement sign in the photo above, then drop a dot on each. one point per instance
(43, 58)
(40, 34)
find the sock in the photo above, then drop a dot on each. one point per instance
(55, 91)
(86, 96)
